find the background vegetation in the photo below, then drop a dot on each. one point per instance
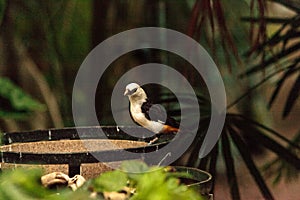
(255, 44)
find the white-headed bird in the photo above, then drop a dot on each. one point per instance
(150, 116)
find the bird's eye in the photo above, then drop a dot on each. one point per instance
(134, 90)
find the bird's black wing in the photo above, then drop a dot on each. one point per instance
(146, 110)
(172, 122)
(158, 114)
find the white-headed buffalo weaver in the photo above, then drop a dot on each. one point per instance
(148, 115)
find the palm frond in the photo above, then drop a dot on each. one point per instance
(269, 20)
(237, 128)
(278, 50)
(229, 162)
(293, 96)
(261, 138)
(213, 165)
(209, 15)
(272, 60)
(246, 155)
(244, 120)
(291, 4)
(260, 35)
(289, 72)
(257, 85)
(281, 169)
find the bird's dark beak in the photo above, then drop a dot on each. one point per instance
(126, 92)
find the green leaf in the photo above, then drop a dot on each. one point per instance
(160, 184)
(110, 181)
(151, 186)
(134, 166)
(134, 169)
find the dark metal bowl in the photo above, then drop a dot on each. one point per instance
(200, 180)
(62, 149)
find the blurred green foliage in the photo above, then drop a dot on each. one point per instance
(21, 184)
(24, 184)
(150, 183)
(15, 103)
(111, 181)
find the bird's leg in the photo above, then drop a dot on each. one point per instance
(153, 140)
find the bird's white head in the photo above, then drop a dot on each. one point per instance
(133, 90)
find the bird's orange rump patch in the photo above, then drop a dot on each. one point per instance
(169, 129)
